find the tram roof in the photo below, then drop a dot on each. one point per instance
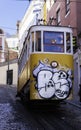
(50, 28)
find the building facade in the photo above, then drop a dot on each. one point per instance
(12, 68)
(68, 13)
(12, 42)
(3, 46)
(32, 16)
(8, 59)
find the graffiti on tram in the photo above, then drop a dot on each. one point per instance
(52, 80)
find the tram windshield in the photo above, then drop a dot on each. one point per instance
(53, 41)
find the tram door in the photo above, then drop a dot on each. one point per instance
(9, 77)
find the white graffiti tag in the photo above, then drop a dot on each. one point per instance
(61, 84)
(52, 82)
(45, 84)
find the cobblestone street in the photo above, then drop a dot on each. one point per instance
(13, 115)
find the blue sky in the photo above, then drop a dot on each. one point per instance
(10, 12)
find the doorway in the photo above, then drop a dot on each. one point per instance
(9, 77)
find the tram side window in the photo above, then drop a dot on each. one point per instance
(68, 43)
(53, 41)
(25, 55)
(32, 41)
(28, 46)
(38, 41)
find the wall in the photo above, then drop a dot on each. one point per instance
(69, 19)
(3, 71)
(29, 19)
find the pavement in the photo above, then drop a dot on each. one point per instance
(74, 102)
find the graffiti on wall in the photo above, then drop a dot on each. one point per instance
(51, 81)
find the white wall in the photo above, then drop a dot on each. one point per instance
(12, 42)
(29, 19)
(3, 73)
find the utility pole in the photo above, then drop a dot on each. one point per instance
(8, 60)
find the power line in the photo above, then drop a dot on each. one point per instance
(8, 28)
(79, 1)
(23, 0)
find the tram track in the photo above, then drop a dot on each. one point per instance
(66, 115)
(49, 120)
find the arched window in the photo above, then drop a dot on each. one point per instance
(1, 31)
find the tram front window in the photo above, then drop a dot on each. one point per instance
(32, 41)
(53, 41)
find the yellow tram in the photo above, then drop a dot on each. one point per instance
(45, 64)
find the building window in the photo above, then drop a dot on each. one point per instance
(1, 31)
(55, 0)
(0, 43)
(58, 17)
(67, 6)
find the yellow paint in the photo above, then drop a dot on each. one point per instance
(65, 62)
(24, 76)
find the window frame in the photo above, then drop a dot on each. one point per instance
(37, 43)
(67, 6)
(58, 18)
(59, 45)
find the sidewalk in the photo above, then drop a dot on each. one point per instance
(75, 103)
